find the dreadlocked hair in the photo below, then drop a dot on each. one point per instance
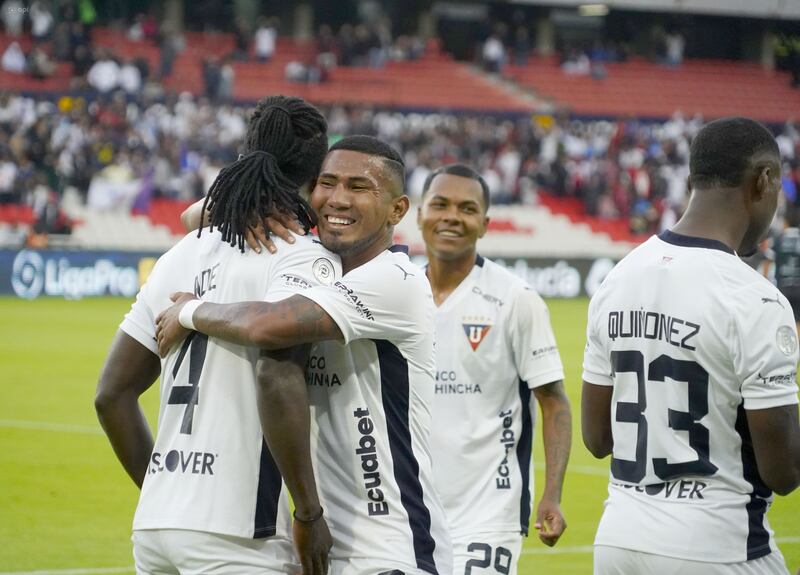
(285, 145)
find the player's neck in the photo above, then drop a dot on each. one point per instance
(446, 275)
(705, 219)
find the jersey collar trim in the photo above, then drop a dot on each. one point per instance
(693, 242)
(479, 260)
(399, 248)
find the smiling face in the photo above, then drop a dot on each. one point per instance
(358, 203)
(452, 217)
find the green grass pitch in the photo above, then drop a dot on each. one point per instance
(65, 502)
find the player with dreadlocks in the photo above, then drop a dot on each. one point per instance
(212, 486)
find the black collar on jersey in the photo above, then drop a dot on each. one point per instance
(399, 248)
(693, 242)
(479, 260)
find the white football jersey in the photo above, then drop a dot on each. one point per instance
(690, 337)
(210, 469)
(370, 398)
(494, 343)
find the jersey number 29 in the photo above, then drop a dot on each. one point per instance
(658, 371)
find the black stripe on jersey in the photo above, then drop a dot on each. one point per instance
(399, 248)
(757, 534)
(479, 260)
(395, 396)
(524, 446)
(268, 495)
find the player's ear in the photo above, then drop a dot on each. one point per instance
(399, 209)
(761, 187)
(485, 227)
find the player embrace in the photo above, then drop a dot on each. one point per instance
(690, 377)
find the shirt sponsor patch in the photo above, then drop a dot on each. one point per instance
(786, 340)
(324, 271)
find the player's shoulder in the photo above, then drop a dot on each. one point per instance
(499, 278)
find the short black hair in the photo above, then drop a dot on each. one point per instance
(284, 147)
(374, 147)
(721, 151)
(463, 171)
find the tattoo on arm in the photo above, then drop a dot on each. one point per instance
(293, 321)
(556, 434)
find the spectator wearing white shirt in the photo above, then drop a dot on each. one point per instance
(104, 75)
(14, 59)
(494, 54)
(13, 14)
(265, 40)
(130, 78)
(41, 21)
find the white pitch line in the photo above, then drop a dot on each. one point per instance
(96, 571)
(50, 426)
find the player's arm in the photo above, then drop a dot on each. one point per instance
(294, 321)
(596, 419)
(130, 369)
(557, 438)
(775, 433)
(283, 409)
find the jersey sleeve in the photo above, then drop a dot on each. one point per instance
(140, 321)
(765, 350)
(596, 359)
(299, 267)
(532, 340)
(378, 300)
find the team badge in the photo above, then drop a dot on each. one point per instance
(323, 270)
(475, 333)
(786, 340)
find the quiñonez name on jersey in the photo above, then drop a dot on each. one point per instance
(652, 325)
(366, 450)
(179, 461)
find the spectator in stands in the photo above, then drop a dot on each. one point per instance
(265, 39)
(39, 64)
(226, 79)
(136, 30)
(327, 46)
(169, 43)
(674, 43)
(13, 15)
(62, 44)
(241, 33)
(41, 21)
(130, 78)
(522, 46)
(8, 176)
(104, 75)
(14, 59)
(494, 54)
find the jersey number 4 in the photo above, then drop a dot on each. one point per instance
(195, 345)
(658, 371)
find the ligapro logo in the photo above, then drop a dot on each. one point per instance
(27, 274)
(33, 275)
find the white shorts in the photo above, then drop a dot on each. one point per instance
(487, 553)
(617, 561)
(182, 552)
(370, 567)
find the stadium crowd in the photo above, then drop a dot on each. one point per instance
(117, 154)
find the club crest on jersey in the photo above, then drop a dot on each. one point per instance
(475, 333)
(324, 271)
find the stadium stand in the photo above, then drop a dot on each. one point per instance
(639, 88)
